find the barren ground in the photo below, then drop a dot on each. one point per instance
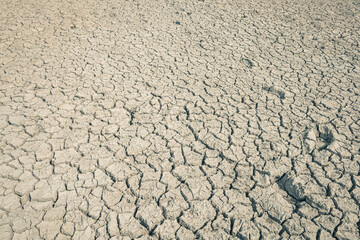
(179, 119)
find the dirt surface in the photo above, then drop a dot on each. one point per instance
(179, 119)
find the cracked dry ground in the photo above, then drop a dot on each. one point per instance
(179, 119)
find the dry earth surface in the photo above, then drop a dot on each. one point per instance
(179, 119)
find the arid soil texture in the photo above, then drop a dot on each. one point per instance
(179, 119)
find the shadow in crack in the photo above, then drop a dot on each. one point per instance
(326, 137)
(279, 93)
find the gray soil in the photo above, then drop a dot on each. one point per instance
(179, 119)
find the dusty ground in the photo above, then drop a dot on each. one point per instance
(187, 119)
